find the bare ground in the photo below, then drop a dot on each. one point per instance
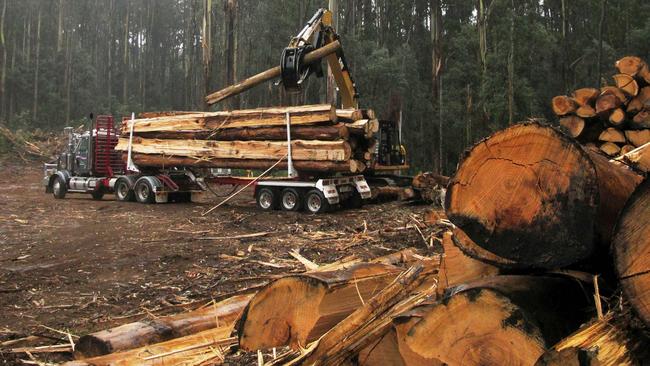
(78, 265)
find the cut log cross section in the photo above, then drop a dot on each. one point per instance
(533, 196)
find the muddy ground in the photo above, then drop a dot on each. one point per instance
(78, 265)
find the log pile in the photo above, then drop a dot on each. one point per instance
(614, 119)
(323, 139)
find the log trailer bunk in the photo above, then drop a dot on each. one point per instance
(90, 163)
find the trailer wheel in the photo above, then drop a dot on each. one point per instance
(59, 188)
(315, 202)
(266, 198)
(291, 200)
(355, 200)
(144, 191)
(97, 195)
(123, 192)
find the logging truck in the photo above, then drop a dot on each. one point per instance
(91, 165)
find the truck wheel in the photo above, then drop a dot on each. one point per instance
(144, 191)
(315, 202)
(123, 192)
(355, 200)
(267, 199)
(59, 188)
(291, 200)
(97, 195)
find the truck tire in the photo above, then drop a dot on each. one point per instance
(123, 191)
(315, 202)
(355, 200)
(98, 194)
(266, 198)
(59, 188)
(144, 192)
(291, 200)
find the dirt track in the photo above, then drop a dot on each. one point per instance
(81, 265)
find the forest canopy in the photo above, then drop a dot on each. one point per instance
(457, 69)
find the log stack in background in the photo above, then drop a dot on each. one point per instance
(324, 139)
(614, 119)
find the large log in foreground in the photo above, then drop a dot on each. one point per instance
(607, 341)
(138, 334)
(502, 320)
(534, 196)
(297, 309)
(631, 246)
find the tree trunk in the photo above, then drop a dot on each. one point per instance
(142, 333)
(601, 26)
(550, 201)
(3, 74)
(59, 33)
(36, 67)
(612, 135)
(511, 67)
(231, 10)
(125, 57)
(502, 320)
(631, 245)
(436, 80)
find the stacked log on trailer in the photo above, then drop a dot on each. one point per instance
(614, 119)
(323, 139)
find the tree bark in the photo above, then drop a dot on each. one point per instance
(142, 333)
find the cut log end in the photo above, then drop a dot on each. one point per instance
(518, 210)
(563, 105)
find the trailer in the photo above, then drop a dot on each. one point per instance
(90, 165)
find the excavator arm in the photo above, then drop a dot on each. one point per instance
(300, 59)
(317, 33)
